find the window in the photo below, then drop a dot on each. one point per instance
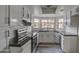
(47, 23)
(50, 23)
(36, 23)
(44, 23)
(60, 24)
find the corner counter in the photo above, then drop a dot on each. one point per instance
(69, 42)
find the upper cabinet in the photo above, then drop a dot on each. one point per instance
(68, 18)
(75, 16)
(69, 12)
(27, 12)
(3, 15)
(16, 12)
(75, 10)
(3, 26)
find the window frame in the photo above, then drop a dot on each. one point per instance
(58, 23)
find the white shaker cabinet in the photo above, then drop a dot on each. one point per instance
(3, 27)
(75, 10)
(27, 10)
(3, 14)
(26, 48)
(70, 44)
(16, 12)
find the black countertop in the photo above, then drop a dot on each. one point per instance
(66, 33)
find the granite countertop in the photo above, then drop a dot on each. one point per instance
(70, 34)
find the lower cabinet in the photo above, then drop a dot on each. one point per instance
(70, 44)
(15, 49)
(78, 45)
(26, 48)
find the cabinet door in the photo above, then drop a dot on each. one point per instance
(16, 12)
(68, 16)
(70, 44)
(27, 12)
(78, 45)
(2, 15)
(75, 10)
(27, 47)
(3, 26)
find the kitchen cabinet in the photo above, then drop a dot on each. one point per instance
(68, 18)
(70, 11)
(78, 45)
(20, 12)
(16, 12)
(27, 12)
(3, 26)
(47, 37)
(70, 44)
(75, 10)
(3, 15)
(21, 41)
(27, 47)
(75, 16)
